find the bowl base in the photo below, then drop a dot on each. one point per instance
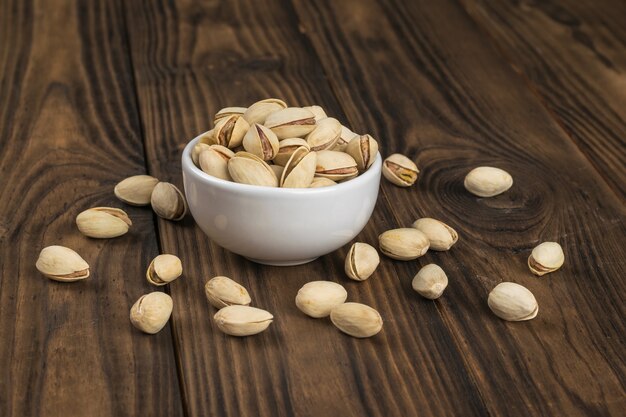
(282, 263)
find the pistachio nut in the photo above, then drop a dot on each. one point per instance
(400, 170)
(278, 170)
(223, 292)
(292, 122)
(440, 235)
(363, 148)
(214, 161)
(168, 202)
(62, 264)
(261, 142)
(237, 320)
(317, 298)
(325, 134)
(513, 302)
(230, 131)
(103, 222)
(430, 281)
(286, 147)
(319, 182)
(403, 244)
(258, 112)
(336, 166)
(135, 190)
(545, 258)
(356, 319)
(164, 269)
(487, 181)
(208, 137)
(196, 151)
(317, 111)
(228, 111)
(361, 262)
(246, 168)
(345, 137)
(300, 169)
(151, 312)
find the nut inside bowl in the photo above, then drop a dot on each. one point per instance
(279, 226)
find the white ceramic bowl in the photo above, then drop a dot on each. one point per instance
(279, 226)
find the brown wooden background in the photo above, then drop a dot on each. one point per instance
(94, 91)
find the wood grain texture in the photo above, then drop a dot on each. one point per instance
(423, 78)
(68, 133)
(573, 54)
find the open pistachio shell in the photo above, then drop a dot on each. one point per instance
(325, 134)
(337, 166)
(151, 312)
(164, 269)
(400, 170)
(103, 222)
(62, 264)
(292, 122)
(513, 302)
(363, 148)
(238, 320)
(258, 112)
(135, 190)
(403, 244)
(440, 235)
(196, 151)
(208, 137)
(228, 111)
(545, 258)
(168, 201)
(317, 111)
(246, 168)
(223, 292)
(300, 169)
(214, 161)
(345, 137)
(286, 148)
(361, 262)
(230, 131)
(261, 141)
(430, 281)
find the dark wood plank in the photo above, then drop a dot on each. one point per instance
(68, 133)
(427, 82)
(573, 54)
(190, 60)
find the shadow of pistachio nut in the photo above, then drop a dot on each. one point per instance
(164, 269)
(325, 134)
(357, 320)
(237, 320)
(228, 111)
(440, 235)
(230, 131)
(258, 112)
(487, 181)
(151, 312)
(168, 202)
(430, 281)
(400, 170)
(246, 168)
(317, 111)
(317, 298)
(337, 166)
(222, 292)
(545, 258)
(62, 264)
(363, 148)
(292, 122)
(214, 161)
(135, 190)
(345, 137)
(103, 222)
(403, 244)
(361, 262)
(287, 147)
(512, 302)
(319, 182)
(261, 141)
(300, 169)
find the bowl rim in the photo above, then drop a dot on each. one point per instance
(187, 165)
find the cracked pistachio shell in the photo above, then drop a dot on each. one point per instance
(237, 320)
(430, 281)
(361, 262)
(317, 298)
(168, 202)
(208, 138)
(228, 111)
(487, 181)
(319, 182)
(292, 122)
(513, 302)
(325, 134)
(196, 151)
(300, 169)
(230, 131)
(62, 264)
(261, 142)
(103, 222)
(223, 292)
(403, 244)
(363, 148)
(164, 269)
(246, 168)
(278, 170)
(214, 161)
(400, 170)
(345, 137)
(357, 320)
(317, 111)
(286, 148)
(258, 112)
(135, 190)
(440, 235)
(545, 258)
(336, 166)
(151, 312)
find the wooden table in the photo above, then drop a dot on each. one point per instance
(94, 91)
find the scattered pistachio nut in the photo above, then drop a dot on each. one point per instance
(487, 181)
(228, 111)
(151, 312)
(400, 170)
(230, 131)
(325, 134)
(214, 161)
(287, 147)
(545, 258)
(357, 320)
(62, 264)
(513, 302)
(103, 222)
(440, 235)
(164, 269)
(238, 320)
(292, 122)
(300, 169)
(317, 111)
(136, 190)
(258, 112)
(337, 166)
(317, 298)
(247, 168)
(361, 262)
(430, 281)
(403, 244)
(168, 202)
(223, 292)
(261, 142)
(363, 148)
(319, 182)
